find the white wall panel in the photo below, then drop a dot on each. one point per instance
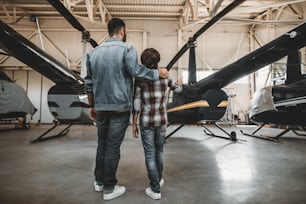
(166, 45)
(69, 45)
(21, 78)
(239, 95)
(135, 39)
(34, 93)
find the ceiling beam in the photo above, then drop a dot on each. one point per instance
(295, 12)
(250, 10)
(84, 13)
(265, 6)
(104, 12)
(151, 13)
(146, 6)
(214, 10)
(89, 8)
(263, 22)
(6, 12)
(112, 6)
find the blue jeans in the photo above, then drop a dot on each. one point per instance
(111, 130)
(153, 143)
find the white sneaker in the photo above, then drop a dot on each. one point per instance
(118, 191)
(153, 195)
(98, 188)
(161, 182)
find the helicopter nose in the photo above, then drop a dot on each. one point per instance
(54, 113)
(261, 101)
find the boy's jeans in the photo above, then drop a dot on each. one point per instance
(153, 143)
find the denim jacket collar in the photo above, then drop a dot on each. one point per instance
(113, 39)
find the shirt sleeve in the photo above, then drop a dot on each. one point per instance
(137, 98)
(138, 71)
(88, 77)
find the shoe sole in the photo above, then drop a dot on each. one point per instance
(113, 196)
(98, 190)
(97, 187)
(152, 196)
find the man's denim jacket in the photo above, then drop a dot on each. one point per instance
(110, 70)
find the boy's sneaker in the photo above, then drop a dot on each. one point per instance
(161, 182)
(118, 191)
(98, 188)
(153, 195)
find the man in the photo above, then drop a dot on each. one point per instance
(109, 82)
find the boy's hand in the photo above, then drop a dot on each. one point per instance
(179, 81)
(135, 130)
(92, 114)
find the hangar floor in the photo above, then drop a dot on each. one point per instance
(198, 168)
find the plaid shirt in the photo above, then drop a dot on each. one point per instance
(150, 101)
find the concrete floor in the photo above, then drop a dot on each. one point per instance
(198, 168)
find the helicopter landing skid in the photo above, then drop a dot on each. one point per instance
(269, 138)
(231, 136)
(61, 133)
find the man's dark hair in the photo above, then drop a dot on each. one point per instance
(114, 26)
(150, 58)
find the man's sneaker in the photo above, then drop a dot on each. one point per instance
(153, 195)
(161, 182)
(118, 191)
(98, 188)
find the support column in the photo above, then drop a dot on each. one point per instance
(271, 36)
(303, 50)
(144, 40)
(252, 77)
(179, 61)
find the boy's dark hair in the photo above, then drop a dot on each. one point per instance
(150, 58)
(114, 26)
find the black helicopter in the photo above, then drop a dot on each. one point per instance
(281, 105)
(206, 101)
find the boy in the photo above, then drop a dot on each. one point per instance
(150, 103)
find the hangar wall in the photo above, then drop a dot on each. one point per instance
(216, 48)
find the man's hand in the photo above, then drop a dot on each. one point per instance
(163, 73)
(135, 130)
(92, 114)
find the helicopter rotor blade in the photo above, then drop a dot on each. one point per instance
(66, 14)
(72, 20)
(204, 28)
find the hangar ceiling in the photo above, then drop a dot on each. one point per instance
(185, 11)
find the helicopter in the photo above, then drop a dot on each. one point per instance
(206, 101)
(15, 105)
(67, 100)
